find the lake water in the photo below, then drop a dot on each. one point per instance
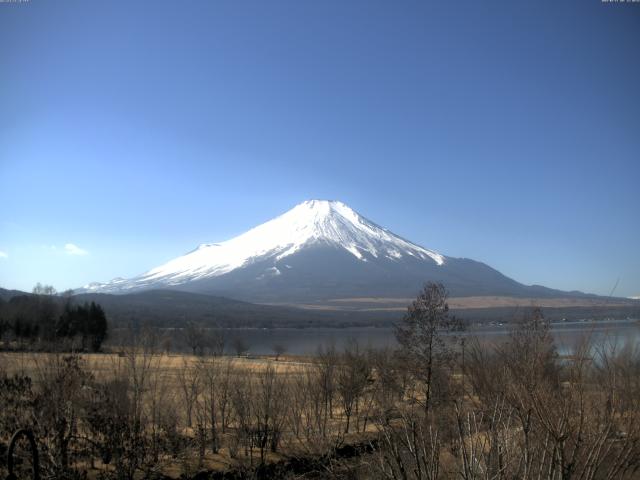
(306, 341)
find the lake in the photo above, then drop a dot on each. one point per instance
(306, 341)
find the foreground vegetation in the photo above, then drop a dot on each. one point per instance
(435, 408)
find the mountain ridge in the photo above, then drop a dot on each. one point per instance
(320, 249)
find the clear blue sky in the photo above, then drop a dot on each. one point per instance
(507, 132)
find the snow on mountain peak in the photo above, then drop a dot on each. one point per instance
(313, 222)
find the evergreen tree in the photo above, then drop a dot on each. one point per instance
(96, 326)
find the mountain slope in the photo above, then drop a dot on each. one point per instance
(7, 295)
(316, 251)
(170, 308)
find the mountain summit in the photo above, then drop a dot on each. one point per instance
(318, 250)
(314, 222)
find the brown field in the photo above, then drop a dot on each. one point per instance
(105, 364)
(461, 303)
(166, 379)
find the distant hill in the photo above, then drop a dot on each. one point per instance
(175, 308)
(6, 295)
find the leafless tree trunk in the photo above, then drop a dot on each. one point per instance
(189, 386)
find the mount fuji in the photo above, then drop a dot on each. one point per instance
(317, 251)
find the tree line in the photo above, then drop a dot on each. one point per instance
(52, 321)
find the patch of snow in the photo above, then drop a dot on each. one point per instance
(354, 251)
(269, 272)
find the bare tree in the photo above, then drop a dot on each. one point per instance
(194, 336)
(390, 376)
(241, 393)
(210, 373)
(279, 349)
(216, 341)
(352, 377)
(58, 405)
(535, 416)
(40, 289)
(223, 392)
(189, 387)
(308, 416)
(268, 411)
(327, 360)
(408, 449)
(421, 337)
(166, 343)
(240, 346)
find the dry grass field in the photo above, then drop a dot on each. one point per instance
(393, 304)
(184, 385)
(103, 365)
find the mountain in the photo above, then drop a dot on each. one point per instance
(320, 250)
(6, 295)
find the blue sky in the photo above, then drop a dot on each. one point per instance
(507, 132)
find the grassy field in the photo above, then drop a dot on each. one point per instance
(464, 303)
(103, 365)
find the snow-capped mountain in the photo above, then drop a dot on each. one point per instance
(317, 250)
